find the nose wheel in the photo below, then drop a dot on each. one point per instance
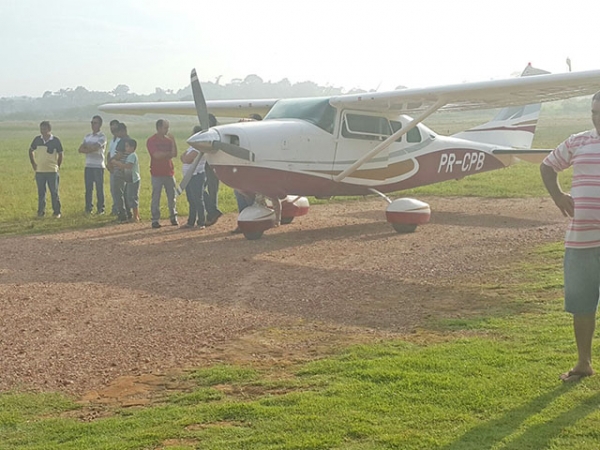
(405, 214)
(402, 228)
(253, 235)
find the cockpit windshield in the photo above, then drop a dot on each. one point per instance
(317, 111)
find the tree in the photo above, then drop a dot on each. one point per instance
(253, 79)
(121, 90)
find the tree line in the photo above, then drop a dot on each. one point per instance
(79, 103)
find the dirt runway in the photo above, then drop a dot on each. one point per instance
(82, 310)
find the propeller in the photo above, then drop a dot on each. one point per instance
(202, 112)
(206, 137)
(200, 102)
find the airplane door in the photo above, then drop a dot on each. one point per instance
(359, 133)
(309, 151)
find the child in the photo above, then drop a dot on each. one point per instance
(131, 175)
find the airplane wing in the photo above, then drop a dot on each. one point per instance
(478, 95)
(220, 108)
(460, 97)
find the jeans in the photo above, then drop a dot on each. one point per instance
(157, 185)
(118, 192)
(114, 194)
(195, 195)
(132, 196)
(211, 201)
(51, 179)
(94, 175)
(127, 197)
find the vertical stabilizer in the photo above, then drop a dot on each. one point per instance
(513, 126)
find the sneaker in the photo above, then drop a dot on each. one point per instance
(188, 225)
(101, 213)
(174, 222)
(213, 220)
(40, 215)
(56, 216)
(156, 225)
(200, 227)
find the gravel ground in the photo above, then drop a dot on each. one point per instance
(98, 313)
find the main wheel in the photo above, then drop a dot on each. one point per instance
(253, 235)
(286, 220)
(404, 228)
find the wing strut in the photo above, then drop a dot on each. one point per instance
(385, 144)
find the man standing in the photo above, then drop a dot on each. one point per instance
(211, 198)
(46, 157)
(118, 175)
(162, 149)
(582, 240)
(93, 146)
(112, 150)
(195, 187)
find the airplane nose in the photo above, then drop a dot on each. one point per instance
(203, 141)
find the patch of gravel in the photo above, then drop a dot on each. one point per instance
(81, 309)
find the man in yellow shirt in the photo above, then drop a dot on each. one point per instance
(46, 156)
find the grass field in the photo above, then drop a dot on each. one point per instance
(488, 382)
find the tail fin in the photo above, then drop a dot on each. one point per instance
(513, 126)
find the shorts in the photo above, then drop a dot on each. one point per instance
(582, 280)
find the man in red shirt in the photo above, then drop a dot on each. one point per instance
(162, 149)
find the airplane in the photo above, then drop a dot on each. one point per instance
(361, 144)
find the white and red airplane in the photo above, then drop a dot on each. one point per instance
(360, 144)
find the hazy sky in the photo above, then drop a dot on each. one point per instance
(46, 46)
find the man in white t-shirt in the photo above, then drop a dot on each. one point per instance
(93, 146)
(582, 240)
(112, 151)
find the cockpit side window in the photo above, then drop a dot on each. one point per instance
(395, 127)
(414, 135)
(358, 126)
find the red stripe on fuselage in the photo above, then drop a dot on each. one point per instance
(433, 168)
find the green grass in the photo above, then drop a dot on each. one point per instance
(483, 382)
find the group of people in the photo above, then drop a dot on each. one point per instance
(121, 160)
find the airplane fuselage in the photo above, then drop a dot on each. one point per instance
(303, 155)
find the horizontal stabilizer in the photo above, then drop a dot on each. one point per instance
(529, 155)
